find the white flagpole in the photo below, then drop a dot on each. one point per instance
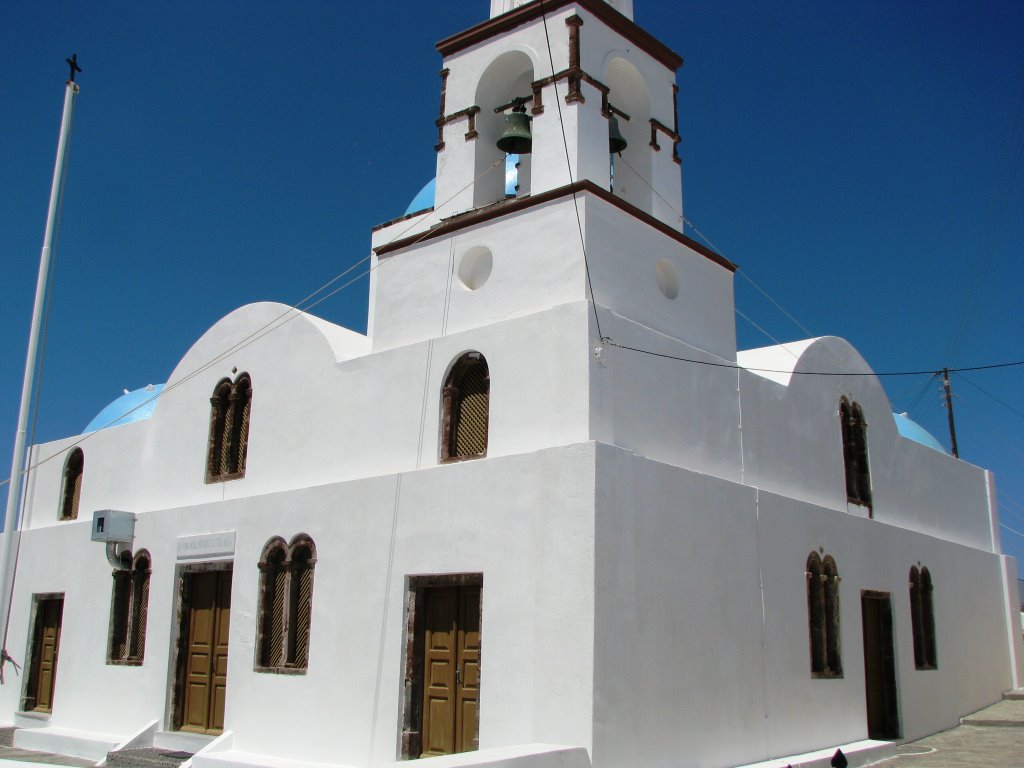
(11, 522)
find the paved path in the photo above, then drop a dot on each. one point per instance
(993, 738)
(31, 756)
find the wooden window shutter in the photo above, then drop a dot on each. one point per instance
(271, 609)
(219, 407)
(139, 608)
(831, 584)
(119, 609)
(300, 608)
(928, 620)
(71, 494)
(816, 613)
(238, 429)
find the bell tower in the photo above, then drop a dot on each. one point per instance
(558, 184)
(498, 7)
(585, 72)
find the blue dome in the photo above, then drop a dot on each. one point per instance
(911, 430)
(129, 407)
(424, 198)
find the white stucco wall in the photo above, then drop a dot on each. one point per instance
(316, 421)
(623, 256)
(523, 522)
(677, 655)
(792, 446)
(418, 293)
(538, 262)
(679, 413)
(693, 669)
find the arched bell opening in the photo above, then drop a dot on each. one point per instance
(507, 78)
(631, 168)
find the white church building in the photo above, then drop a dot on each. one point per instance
(543, 514)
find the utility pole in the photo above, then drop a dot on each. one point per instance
(11, 521)
(948, 397)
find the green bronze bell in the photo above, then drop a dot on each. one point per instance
(616, 141)
(517, 139)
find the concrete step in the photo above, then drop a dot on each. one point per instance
(1007, 713)
(181, 741)
(147, 757)
(7, 736)
(67, 741)
(1017, 695)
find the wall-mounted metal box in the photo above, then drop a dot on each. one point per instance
(111, 525)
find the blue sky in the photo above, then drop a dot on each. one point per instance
(860, 161)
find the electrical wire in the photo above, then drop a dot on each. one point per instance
(568, 164)
(736, 366)
(739, 270)
(289, 314)
(1005, 405)
(998, 207)
(762, 330)
(1011, 530)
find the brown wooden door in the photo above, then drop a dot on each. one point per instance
(45, 645)
(451, 669)
(206, 651)
(879, 666)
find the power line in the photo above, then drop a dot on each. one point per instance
(1012, 530)
(1005, 405)
(568, 164)
(737, 366)
(264, 330)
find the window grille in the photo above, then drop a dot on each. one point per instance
(129, 611)
(286, 601)
(71, 493)
(466, 409)
(230, 408)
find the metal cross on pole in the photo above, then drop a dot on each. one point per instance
(73, 64)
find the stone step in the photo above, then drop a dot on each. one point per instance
(1017, 695)
(1007, 713)
(147, 757)
(7, 736)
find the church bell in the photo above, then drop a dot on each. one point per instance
(616, 141)
(517, 138)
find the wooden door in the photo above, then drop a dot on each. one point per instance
(451, 669)
(45, 645)
(206, 651)
(879, 666)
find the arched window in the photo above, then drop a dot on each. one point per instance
(855, 453)
(922, 618)
(823, 616)
(129, 609)
(71, 493)
(466, 409)
(230, 406)
(286, 603)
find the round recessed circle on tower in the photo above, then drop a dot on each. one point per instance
(475, 267)
(668, 278)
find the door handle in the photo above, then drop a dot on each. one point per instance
(458, 675)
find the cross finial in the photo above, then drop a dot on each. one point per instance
(73, 64)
